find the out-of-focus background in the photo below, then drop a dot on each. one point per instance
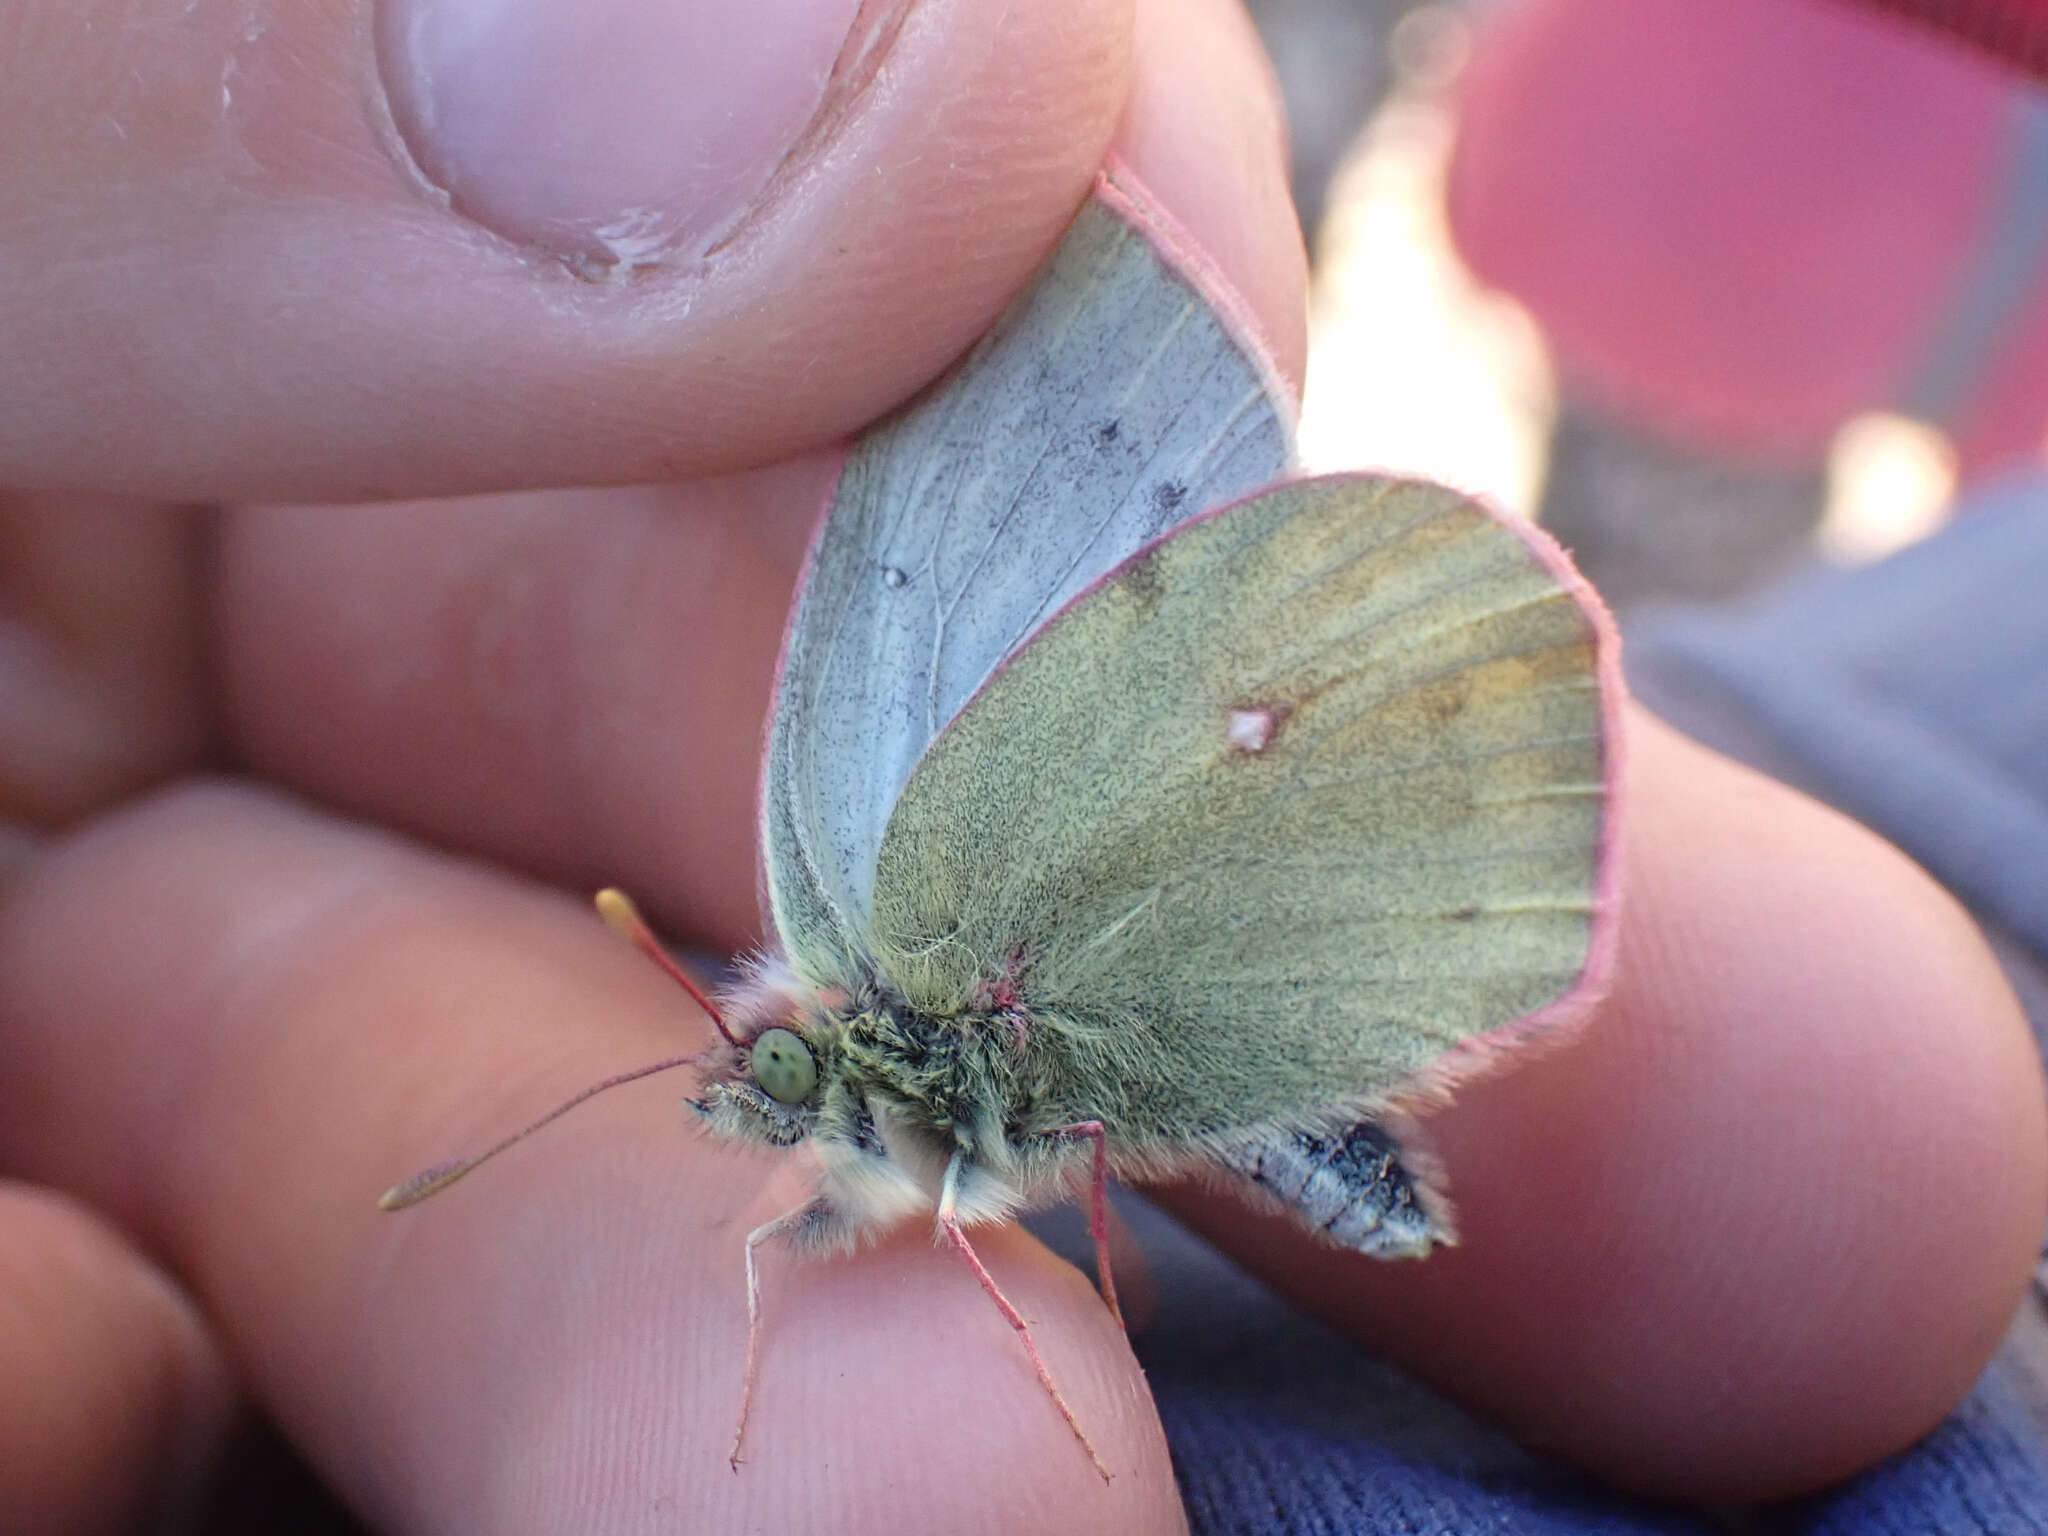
(1716, 292)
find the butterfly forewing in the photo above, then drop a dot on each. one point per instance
(1110, 404)
(1303, 796)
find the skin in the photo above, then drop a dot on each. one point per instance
(298, 804)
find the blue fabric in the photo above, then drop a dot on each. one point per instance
(1278, 1425)
(1912, 694)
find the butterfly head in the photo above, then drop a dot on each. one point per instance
(766, 1089)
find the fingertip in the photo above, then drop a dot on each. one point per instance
(571, 682)
(1762, 1223)
(877, 1354)
(1828, 1160)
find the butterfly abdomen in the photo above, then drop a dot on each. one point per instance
(1351, 1188)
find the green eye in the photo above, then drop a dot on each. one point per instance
(783, 1065)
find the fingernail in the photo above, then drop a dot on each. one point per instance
(611, 133)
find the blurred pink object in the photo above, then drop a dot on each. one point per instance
(1742, 223)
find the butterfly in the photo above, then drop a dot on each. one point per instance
(1130, 809)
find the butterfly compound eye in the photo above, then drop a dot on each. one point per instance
(784, 1066)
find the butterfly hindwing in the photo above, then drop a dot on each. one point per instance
(1299, 800)
(1111, 403)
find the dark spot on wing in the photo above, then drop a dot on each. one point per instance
(1141, 579)
(1465, 914)
(1444, 699)
(1167, 495)
(1109, 431)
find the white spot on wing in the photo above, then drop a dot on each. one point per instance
(1251, 729)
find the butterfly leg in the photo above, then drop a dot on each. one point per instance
(810, 1215)
(949, 1222)
(1098, 1209)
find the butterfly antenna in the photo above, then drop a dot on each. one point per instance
(624, 919)
(433, 1180)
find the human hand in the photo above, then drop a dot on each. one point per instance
(232, 1017)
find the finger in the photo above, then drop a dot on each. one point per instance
(1765, 1221)
(116, 1400)
(102, 685)
(573, 683)
(302, 1011)
(279, 252)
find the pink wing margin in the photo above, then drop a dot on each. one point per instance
(1119, 187)
(767, 748)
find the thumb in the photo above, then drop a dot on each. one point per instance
(271, 249)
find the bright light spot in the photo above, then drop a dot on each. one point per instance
(1890, 482)
(1413, 367)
